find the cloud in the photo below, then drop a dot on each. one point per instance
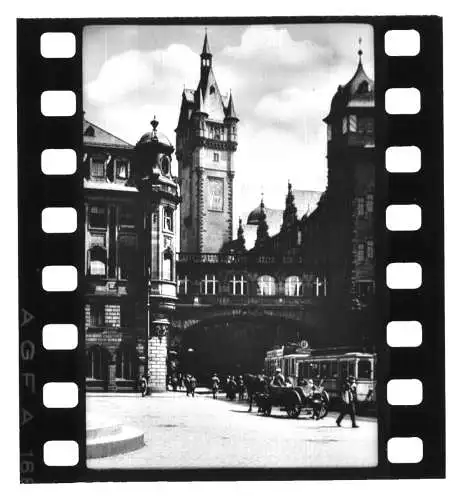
(136, 71)
(275, 46)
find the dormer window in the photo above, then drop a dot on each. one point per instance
(89, 132)
(363, 88)
(122, 169)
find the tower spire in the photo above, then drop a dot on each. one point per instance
(206, 47)
(290, 213)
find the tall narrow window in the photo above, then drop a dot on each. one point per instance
(238, 285)
(360, 252)
(216, 156)
(98, 261)
(360, 206)
(168, 219)
(98, 217)
(352, 123)
(122, 169)
(293, 286)
(266, 285)
(167, 266)
(183, 285)
(97, 363)
(97, 169)
(97, 317)
(126, 257)
(370, 199)
(344, 124)
(370, 249)
(125, 362)
(209, 285)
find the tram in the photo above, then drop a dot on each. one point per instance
(329, 366)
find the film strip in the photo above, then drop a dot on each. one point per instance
(39, 366)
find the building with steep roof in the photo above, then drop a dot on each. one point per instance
(206, 140)
(130, 199)
(338, 237)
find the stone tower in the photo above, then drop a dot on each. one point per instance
(160, 198)
(351, 186)
(206, 140)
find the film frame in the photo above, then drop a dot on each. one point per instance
(37, 249)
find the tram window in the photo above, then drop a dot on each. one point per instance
(352, 368)
(343, 369)
(314, 370)
(325, 369)
(364, 369)
(334, 369)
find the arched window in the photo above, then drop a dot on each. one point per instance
(126, 362)
(238, 285)
(97, 363)
(266, 285)
(212, 90)
(168, 219)
(167, 266)
(97, 261)
(209, 285)
(293, 286)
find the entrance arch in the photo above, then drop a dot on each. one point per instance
(235, 344)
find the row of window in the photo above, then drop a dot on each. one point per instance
(101, 169)
(126, 263)
(365, 251)
(126, 363)
(98, 217)
(266, 285)
(365, 204)
(359, 125)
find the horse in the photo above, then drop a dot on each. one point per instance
(255, 384)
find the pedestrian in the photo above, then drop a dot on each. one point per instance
(279, 379)
(349, 399)
(232, 388)
(241, 387)
(215, 385)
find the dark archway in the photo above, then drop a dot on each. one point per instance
(234, 344)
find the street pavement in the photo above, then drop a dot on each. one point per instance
(185, 432)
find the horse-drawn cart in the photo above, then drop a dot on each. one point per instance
(294, 400)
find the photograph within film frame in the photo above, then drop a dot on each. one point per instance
(184, 268)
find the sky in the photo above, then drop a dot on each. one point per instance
(282, 77)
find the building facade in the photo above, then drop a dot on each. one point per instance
(338, 237)
(130, 285)
(216, 305)
(206, 140)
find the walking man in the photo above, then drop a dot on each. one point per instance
(215, 385)
(349, 399)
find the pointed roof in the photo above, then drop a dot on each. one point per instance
(359, 91)
(97, 136)
(206, 47)
(230, 110)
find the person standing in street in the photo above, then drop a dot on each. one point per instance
(349, 399)
(215, 385)
(279, 379)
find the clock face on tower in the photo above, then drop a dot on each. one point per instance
(215, 194)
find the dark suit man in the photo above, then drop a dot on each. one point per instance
(349, 399)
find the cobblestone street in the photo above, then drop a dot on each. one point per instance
(183, 432)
